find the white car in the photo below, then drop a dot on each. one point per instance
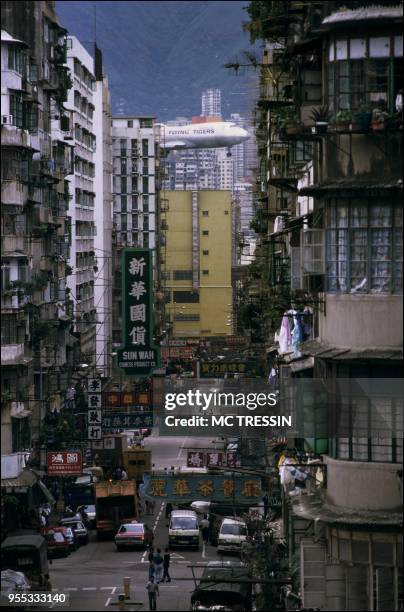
(232, 534)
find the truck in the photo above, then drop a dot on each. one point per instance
(116, 502)
(137, 461)
(111, 456)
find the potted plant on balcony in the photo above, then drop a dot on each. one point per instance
(321, 117)
(343, 119)
(362, 119)
(379, 116)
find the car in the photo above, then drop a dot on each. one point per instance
(12, 582)
(232, 534)
(56, 540)
(200, 507)
(80, 530)
(130, 534)
(90, 512)
(183, 529)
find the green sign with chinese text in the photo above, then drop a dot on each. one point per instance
(138, 356)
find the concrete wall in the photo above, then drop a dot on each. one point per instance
(364, 486)
(362, 321)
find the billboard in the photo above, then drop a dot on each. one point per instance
(195, 487)
(137, 356)
(64, 463)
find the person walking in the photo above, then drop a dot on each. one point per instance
(205, 525)
(169, 509)
(158, 566)
(166, 565)
(151, 570)
(150, 556)
(124, 475)
(153, 592)
(148, 537)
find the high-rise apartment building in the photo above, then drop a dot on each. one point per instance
(196, 262)
(36, 347)
(83, 196)
(103, 218)
(134, 194)
(211, 103)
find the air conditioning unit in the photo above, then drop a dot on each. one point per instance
(7, 120)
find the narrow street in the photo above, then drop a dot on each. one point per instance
(93, 575)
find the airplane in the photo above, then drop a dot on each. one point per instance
(209, 135)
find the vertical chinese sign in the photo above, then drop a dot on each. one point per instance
(138, 356)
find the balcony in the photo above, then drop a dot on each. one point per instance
(13, 193)
(12, 136)
(10, 244)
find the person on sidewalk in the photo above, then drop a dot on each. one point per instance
(153, 592)
(166, 565)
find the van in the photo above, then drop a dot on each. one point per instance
(232, 533)
(183, 529)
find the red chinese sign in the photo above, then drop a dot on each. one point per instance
(214, 459)
(195, 459)
(64, 463)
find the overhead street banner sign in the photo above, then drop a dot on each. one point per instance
(137, 356)
(194, 487)
(219, 368)
(122, 420)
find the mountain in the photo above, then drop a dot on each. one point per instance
(159, 56)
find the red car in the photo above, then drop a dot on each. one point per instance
(130, 534)
(57, 542)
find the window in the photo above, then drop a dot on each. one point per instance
(186, 297)
(364, 246)
(205, 272)
(145, 184)
(146, 123)
(179, 275)
(124, 184)
(135, 202)
(364, 71)
(205, 213)
(17, 60)
(124, 203)
(145, 203)
(124, 165)
(16, 110)
(186, 317)
(145, 147)
(130, 124)
(145, 240)
(205, 252)
(205, 233)
(124, 223)
(226, 212)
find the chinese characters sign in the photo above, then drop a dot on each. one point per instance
(64, 463)
(121, 420)
(218, 369)
(194, 487)
(138, 356)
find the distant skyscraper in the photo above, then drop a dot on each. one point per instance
(212, 103)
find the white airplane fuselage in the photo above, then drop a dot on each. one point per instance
(201, 135)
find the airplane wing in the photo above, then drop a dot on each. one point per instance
(173, 144)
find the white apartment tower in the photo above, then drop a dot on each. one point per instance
(82, 188)
(103, 219)
(211, 103)
(134, 170)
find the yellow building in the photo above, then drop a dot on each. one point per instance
(196, 262)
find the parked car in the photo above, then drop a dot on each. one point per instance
(232, 534)
(130, 534)
(56, 541)
(80, 530)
